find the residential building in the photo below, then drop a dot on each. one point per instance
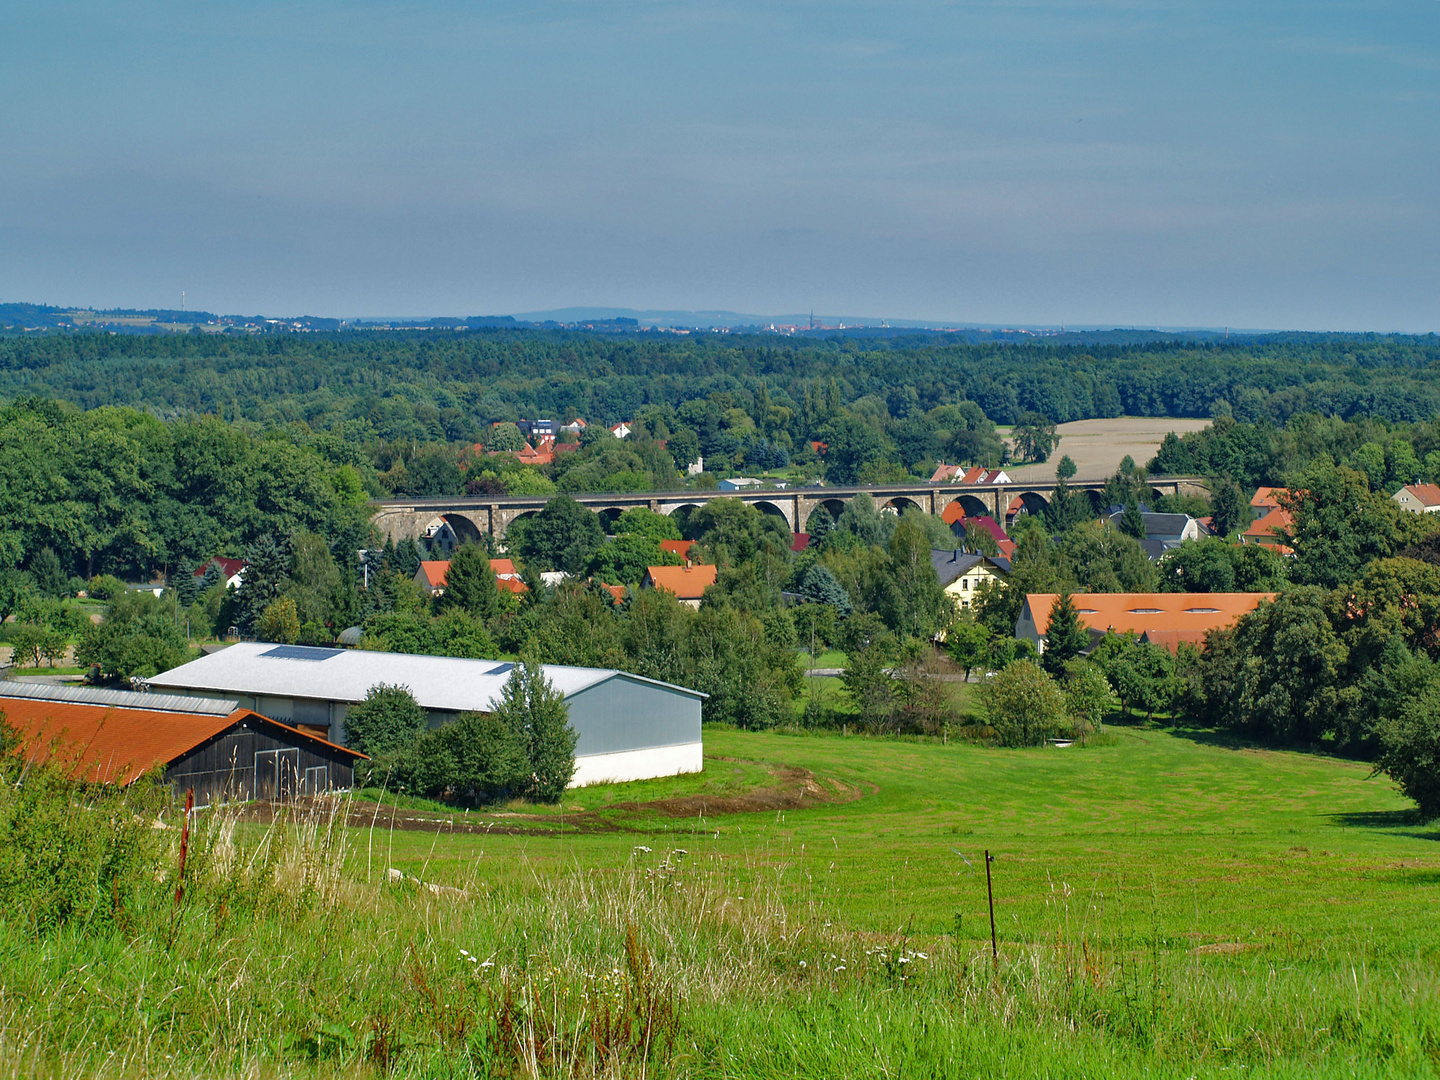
(211, 746)
(688, 583)
(1266, 530)
(1419, 498)
(961, 575)
(678, 547)
(431, 575)
(739, 483)
(1170, 618)
(620, 430)
(232, 570)
(967, 474)
(628, 727)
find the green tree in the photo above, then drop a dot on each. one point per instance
(140, 637)
(1065, 637)
(279, 622)
(313, 582)
(968, 643)
(914, 605)
(470, 584)
(1023, 705)
(852, 445)
(642, 521)
(504, 437)
(1066, 469)
(1034, 436)
(536, 713)
(1229, 509)
(1089, 697)
(1410, 747)
(820, 586)
(1132, 521)
(387, 722)
(870, 650)
(562, 536)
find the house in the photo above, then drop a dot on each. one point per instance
(552, 578)
(538, 429)
(1162, 531)
(575, 427)
(232, 570)
(628, 727)
(619, 592)
(1419, 498)
(431, 575)
(504, 568)
(686, 582)
(1265, 500)
(1170, 618)
(440, 539)
(1266, 531)
(954, 515)
(739, 483)
(967, 474)
(532, 455)
(213, 746)
(961, 574)
(620, 430)
(696, 467)
(677, 547)
(512, 585)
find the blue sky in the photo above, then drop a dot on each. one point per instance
(1251, 164)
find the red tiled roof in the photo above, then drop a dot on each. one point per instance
(503, 568)
(1263, 531)
(510, 584)
(952, 513)
(435, 571)
(686, 582)
(679, 547)
(1267, 497)
(617, 591)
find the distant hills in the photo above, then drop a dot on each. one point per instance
(38, 318)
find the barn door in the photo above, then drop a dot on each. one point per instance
(317, 780)
(277, 774)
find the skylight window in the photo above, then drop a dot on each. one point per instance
(300, 652)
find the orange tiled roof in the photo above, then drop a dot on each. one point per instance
(679, 547)
(106, 745)
(1138, 613)
(435, 571)
(1267, 497)
(952, 513)
(503, 568)
(1263, 531)
(686, 582)
(510, 584)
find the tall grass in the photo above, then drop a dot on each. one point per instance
(673, 962)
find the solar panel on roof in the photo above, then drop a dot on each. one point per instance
(300, 652)
(500, 669)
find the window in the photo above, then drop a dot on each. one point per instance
(317, 780)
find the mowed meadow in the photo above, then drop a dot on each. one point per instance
(1166, 904)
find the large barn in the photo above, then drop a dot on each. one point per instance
(213, 746)
(628, 727)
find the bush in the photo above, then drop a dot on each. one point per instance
(1023, 704)
(478, 757)
(1410, 750)
(70, 853)
(140, 637)
(279, 622)
(386, 722)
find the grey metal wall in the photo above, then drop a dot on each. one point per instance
(627, 714)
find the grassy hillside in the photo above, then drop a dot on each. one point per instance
(1165, 906)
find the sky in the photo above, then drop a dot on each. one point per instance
(1251, 164)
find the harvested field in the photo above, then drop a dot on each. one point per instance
(1097, 446)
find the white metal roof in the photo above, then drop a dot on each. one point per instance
(119, 699)
(437, 682)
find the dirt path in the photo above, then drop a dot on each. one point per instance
(791, 788)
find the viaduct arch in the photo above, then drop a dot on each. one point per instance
(409, 519)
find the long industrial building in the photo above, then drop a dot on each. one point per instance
(628, 727)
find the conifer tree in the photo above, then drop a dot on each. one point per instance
(1065, 638)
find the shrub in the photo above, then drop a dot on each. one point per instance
(386, 722)
(1023, 704)
(279, 622)
(1410, 749)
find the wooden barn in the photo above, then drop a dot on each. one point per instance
(215, 747)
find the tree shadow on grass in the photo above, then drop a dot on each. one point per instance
(1395, 822)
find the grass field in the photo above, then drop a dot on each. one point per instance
(1166, 905)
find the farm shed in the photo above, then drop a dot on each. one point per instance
(214, 746)
(629, 728)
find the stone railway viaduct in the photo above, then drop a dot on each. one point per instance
(408, 519)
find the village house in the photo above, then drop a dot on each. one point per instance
(232, 570)
(967, 474)
(1419, 498)
(1162, 531)
(961, 575)
(1271, 519)
(688, 583)
(1168, 619)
